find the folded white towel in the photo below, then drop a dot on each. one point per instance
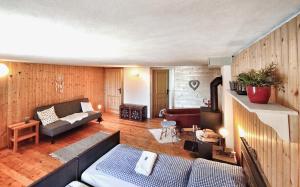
(76, 184)
(146, 163)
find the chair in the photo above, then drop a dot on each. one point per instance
(168, 125)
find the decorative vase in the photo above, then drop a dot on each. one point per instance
(233, 85)
(260, 95)
(26, 119)
(241, 89)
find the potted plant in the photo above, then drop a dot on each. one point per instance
(258, 83)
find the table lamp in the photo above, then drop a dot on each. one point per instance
(99, 107)
(223, 132)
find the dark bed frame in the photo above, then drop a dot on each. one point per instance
(73, 169)
(252, 169)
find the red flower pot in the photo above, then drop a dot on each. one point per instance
(259, 95)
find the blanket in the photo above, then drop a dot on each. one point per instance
(75, 117)
(168, 171)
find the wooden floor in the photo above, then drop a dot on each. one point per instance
(33, 161)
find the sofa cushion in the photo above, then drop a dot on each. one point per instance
(64, 109)
(91, 116)
(68, 108)
(55, 128)
(61, 126)
(86, 106)
(47, 116)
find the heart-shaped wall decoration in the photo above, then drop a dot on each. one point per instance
(194, 84)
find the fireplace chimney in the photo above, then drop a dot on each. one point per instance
(214, 93)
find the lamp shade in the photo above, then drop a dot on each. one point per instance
(3, 70)
(223, 132)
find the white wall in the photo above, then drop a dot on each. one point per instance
(227, 105)
(186, 97)
(171, 87)
(137, 88)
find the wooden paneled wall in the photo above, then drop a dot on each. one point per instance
(32, 85)
(279, 159)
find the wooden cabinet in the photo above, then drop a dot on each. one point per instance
(133, 112)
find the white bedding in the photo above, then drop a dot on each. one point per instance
(203, 173)
(96, 178)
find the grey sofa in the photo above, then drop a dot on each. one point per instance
(62, 110)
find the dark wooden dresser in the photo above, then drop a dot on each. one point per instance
(133, 112)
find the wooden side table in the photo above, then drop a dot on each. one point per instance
(216, 156)
(14, 129)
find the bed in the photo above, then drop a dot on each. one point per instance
(168, 171)
(119, 164)
(87, 162)
(92, 177)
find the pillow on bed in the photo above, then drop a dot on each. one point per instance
(206, 173)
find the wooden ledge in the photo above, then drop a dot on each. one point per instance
(274, 115)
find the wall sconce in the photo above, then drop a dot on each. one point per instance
(3, 70)
(241, 132)
(135, 73)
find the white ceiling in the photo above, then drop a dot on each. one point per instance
(134, 32)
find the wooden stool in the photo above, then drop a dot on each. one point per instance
(13, 133)
(168, 125)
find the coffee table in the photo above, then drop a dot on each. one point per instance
(202, 149)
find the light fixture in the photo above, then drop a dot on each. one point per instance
(135, 73)
(241, 132)
(224, 132)
(99, 107)
(3, 70)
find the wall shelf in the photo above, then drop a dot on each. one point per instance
(274, 115)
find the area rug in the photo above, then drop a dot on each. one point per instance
(71, 151)
(167, 139)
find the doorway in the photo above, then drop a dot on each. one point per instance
(113, 89)
(160, 91)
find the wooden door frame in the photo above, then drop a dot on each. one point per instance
(151, 86)
(122, 84)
